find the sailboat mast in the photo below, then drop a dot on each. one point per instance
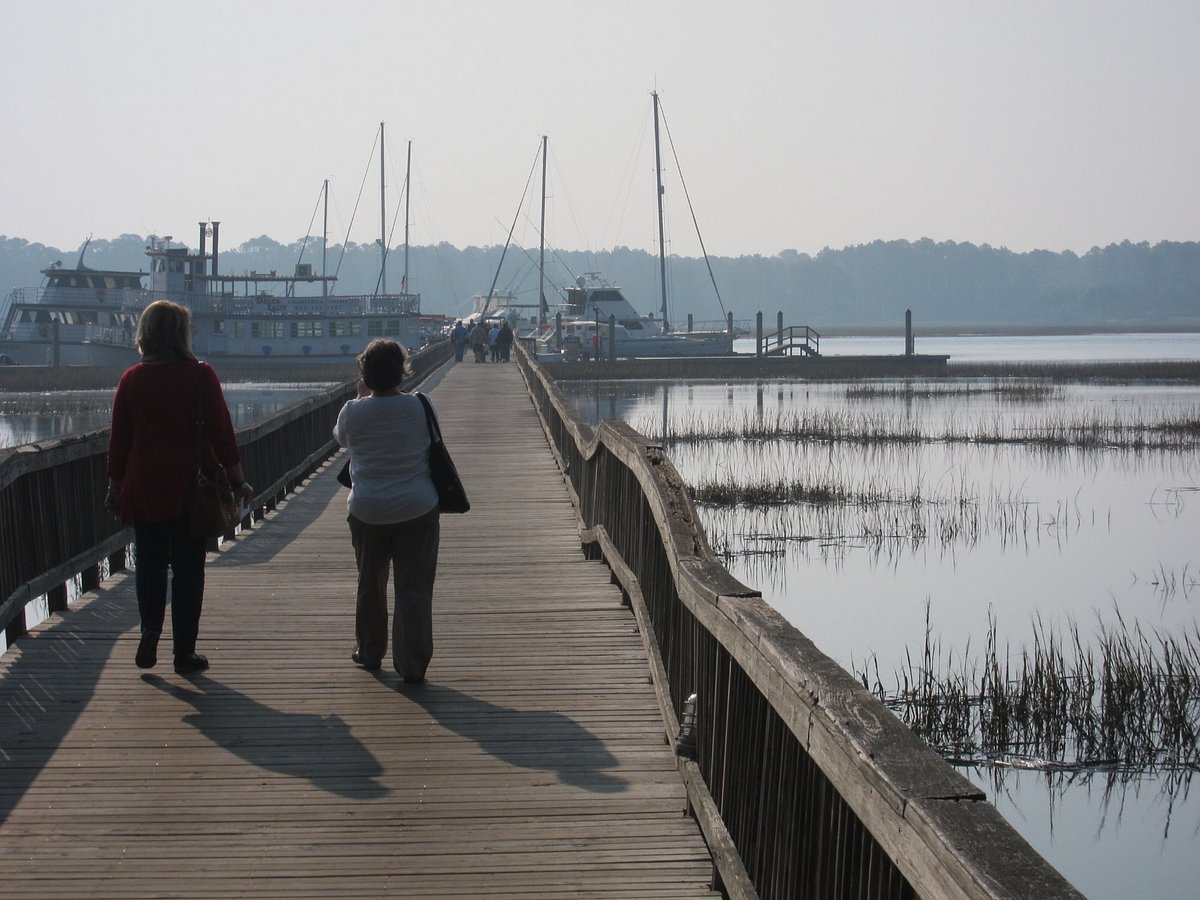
(325, 242)
(542, 254)
(662, 250)
(382, 217)
(407, 198)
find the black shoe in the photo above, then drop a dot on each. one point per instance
(147, 651)
(414, 679)
(190, 664)
(369, 664)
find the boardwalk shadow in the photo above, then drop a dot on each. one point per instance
(317, 748)
(529, 740)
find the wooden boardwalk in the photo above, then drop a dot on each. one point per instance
(532, 764)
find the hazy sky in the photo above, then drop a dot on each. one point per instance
(1025, 124)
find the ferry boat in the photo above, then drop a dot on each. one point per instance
(88, 317)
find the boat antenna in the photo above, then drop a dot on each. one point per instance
(508, 240)
(382, 216)
(407, 198)
(325, 242)
(662, 250)
(542, 255)
(692, 211)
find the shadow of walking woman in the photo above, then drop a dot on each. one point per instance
(317, 748)
(532, 740)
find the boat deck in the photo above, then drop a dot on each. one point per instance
(532, 763)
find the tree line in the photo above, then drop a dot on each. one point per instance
(944, 284)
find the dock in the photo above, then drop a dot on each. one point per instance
(532, 763)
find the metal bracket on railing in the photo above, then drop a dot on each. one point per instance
(685, 744)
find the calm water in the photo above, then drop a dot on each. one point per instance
(27, 417)
(1007, 532)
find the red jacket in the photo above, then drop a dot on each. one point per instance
(153, 447)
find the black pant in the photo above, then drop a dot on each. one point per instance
(162, 546)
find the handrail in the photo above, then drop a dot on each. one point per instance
(793, 337)
(804, 783)
(53, 525)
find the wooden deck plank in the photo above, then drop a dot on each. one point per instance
(532, 764)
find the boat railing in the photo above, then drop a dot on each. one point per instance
(55, 532)
(803, 782)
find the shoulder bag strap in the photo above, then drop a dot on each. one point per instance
(199, 417)
(435, 430)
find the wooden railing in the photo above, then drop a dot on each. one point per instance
(53, 525)
(804, 784)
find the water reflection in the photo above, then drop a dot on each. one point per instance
(28, 417)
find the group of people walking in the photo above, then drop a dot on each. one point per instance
(485, 340)
(170, 418)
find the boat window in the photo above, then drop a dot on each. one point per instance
(392, 327)
(306, 329)
(374, 328)
(266, 329)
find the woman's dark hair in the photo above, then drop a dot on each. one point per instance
(164, 329)
(384, 364)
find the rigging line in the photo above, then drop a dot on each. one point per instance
(357, 200)
(399, 205)
(536, 156)
(688, 197)
(625, 186)
(533, 262)
(391, 231)
(553, 252)
(308, 234)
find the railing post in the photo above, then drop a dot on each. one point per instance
(56, 598)
(759, 349)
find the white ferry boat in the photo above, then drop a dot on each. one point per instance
(87, 317)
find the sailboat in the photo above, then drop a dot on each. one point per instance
(597, 321)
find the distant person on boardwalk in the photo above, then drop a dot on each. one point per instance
(479, 341)
(153, 452)
(505, 341)
(393, 513)
(494, 341)
(458, 335)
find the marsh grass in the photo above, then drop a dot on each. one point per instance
(1012, 391)
(1125, 698)
(1171, 432)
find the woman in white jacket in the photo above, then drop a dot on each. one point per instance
(393, 513)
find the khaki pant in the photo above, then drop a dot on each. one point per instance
(410, 550)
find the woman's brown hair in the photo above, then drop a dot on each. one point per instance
(165, 330)
(384, 364)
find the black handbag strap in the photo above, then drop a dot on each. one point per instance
(199, 417)
(435, 430)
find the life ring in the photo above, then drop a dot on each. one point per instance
(100, 294)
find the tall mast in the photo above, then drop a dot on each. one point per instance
(407, 198)
(662, 250)
(542, 254)
(382, 218)
(325, 242)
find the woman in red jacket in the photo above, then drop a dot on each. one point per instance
(153, 452)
